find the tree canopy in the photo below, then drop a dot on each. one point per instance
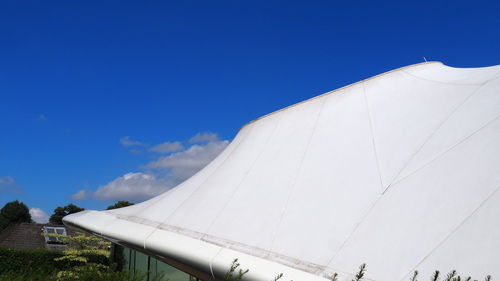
(60, 212)
(119, 204)
(14, 212)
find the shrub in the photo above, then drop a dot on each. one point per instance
(26, 276)
(29, 260)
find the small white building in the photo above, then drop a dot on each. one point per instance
(400, 171)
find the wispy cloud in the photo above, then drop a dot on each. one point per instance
(178, 162)
(184, 164)
(38, 215)
(134, 187)
(167, 147)
(8, 184)
(204, 137)
(81, 195)
(127, 141)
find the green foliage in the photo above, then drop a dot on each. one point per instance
(451, 276)
(93, 273)
(60, 212)
(278, 277)
(88, 274)
(30, 260)
(3, 222)
(435, 276)
(361, 272)
(84, 253)
(234, 273)
(14, 212)
(415, 275)
(81, 241)
(119, 204)
(26, 276)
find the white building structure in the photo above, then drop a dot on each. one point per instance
(400, 171)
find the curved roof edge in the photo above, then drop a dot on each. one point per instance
(342, 88)
(205, 260)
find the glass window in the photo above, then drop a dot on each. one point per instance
(171, 273)
(53, 230)
(152, 268)
(126, 258)
(139, 264)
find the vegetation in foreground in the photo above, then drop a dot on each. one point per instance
(236, 273)
(86, 259)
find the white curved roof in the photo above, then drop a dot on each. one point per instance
(400, 171)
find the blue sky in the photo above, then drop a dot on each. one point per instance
(108, 100)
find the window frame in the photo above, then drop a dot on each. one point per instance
(48, 240)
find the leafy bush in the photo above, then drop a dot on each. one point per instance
(26, 276)
(87, 275)
(29, 260)
(45, 261)
(85, 254)
(360, 275)
(234, 273)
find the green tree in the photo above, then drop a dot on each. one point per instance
(14, 212)
(60, 212)
(119, 204)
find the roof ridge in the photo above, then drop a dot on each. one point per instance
(339, 89)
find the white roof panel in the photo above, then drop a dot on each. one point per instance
(400, 171)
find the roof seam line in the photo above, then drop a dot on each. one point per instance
(368, 211)
(474, 92)
(242, 180)
(175, 187)
(201, 184)
(372, 131)
(448, 236)
(448, 150)
(194, 191)
(294, 183)
(395, 181)
(223, 244)
(212, 261)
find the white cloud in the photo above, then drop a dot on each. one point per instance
(184, 164)
(204, 137)
(38, 215)
(167, 147)
(161, 174)
(126, 141)
(134, 187)
(80, 195)
(8, 184)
